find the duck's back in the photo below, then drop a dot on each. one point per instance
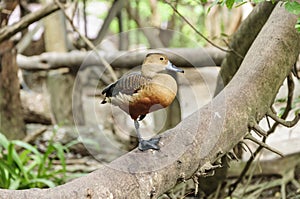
(128, 84)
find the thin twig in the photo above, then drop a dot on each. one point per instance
(196, 182)
(258, 129)
(283, 122)
(88, 42)
(253, 139)
(233, 186)
(24, 22)
(262, 145)
(288, 107)
(199, 33)
(249, 149)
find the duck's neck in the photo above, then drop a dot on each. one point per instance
(151, 70)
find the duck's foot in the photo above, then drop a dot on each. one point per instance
(149, 144)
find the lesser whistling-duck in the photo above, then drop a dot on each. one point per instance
(139, 93)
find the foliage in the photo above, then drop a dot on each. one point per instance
(22, 166)
(290, 5)
(294, 7)
(192, 10)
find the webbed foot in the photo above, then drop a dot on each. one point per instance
(149, 144)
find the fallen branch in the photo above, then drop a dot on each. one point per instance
(181, 57)
(196, 142)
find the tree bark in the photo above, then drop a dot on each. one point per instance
(203, 137)
(60, 83)
(11, 117)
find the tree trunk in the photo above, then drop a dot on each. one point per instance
(11, 117)
(60, 83)
(203, 137)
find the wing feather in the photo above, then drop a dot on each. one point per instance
(125, 86)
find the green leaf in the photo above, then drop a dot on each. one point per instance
(14, 184)
(26, 146)
(229, 3)
(10, 152)
(258, 1)
(3, 141)
(46, 182)
(60, 154)
(292, 7)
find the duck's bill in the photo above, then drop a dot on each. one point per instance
(172, 67)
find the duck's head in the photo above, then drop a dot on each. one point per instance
(155, 63)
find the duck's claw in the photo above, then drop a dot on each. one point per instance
(149, 144)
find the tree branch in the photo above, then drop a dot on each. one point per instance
(181, 57)
(198, 139)
(116, 7)
(253, 139)
(9, 31)
(258, 129)
(199, 33)
(284, 122)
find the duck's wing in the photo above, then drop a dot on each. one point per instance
(127, 85)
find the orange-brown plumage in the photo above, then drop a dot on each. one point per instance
(141, 93)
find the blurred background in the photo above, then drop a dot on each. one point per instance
(51, 93)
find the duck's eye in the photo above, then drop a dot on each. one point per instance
(161, 58)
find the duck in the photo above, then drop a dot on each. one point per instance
(145, 91)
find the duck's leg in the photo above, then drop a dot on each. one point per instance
(145, 144)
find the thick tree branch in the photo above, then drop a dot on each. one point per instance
(193, 57)
(9, 31)
(196, 142)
